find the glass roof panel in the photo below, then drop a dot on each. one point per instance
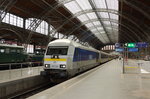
(89, 25)
(115, 24)
(102, 37)
(113, 16)
(92, 15)
(112, 4)
(106, 22)
(93, 30)
(103, 32)
(100, 28)
(84, 4)
(100, 3)
(73, 7)
(108, 28)
(96, 23)
(103, 14)
(76, 6)
(82, 18)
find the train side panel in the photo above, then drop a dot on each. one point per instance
(84, 59)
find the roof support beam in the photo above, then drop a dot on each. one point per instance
(67, 1)
(89, 20)
(14, 31)
(5, 6)
(110, 11)
(53, 9)
(136, 5)
(104, 19)
(120, 19)
(93, 7)
(127, 37)
(130, 28)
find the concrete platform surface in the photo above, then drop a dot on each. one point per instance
(103, 82)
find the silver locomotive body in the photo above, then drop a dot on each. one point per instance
(65, 58)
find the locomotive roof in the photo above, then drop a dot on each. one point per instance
(13, 46)
(70, 42)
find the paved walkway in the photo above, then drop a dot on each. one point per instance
(103, 82)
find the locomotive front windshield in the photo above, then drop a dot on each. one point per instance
(57, 50)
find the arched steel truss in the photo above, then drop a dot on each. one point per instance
(130, 28)
(67, 1)
(55, 6)
(42, 16)
(114, 26)
(135, 6)
(102, 10)
(112, 20)
(14, 31)
(138, 8)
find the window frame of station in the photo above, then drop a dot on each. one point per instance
(13, 20)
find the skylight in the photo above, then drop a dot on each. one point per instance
(86, 6)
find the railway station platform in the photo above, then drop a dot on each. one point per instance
(15, 74)
(103, 82)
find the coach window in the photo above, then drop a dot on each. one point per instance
(21, 50)
(7, 50)
(18, 50)
(13, 50)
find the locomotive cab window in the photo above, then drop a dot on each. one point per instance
(57, 50)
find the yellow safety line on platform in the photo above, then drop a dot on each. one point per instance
(48, 59)
(130, 67)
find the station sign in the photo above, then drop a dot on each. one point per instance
(133, 49)
(119, 49)
(142, 44)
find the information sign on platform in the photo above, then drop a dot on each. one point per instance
(119, 49)
(133, 49)
(142, 44)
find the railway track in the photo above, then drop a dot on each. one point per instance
(28, 93)
(32, 91)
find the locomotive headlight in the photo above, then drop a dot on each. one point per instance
(47, 65)
(63, 66)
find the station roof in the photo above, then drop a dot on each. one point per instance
(98, 22)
